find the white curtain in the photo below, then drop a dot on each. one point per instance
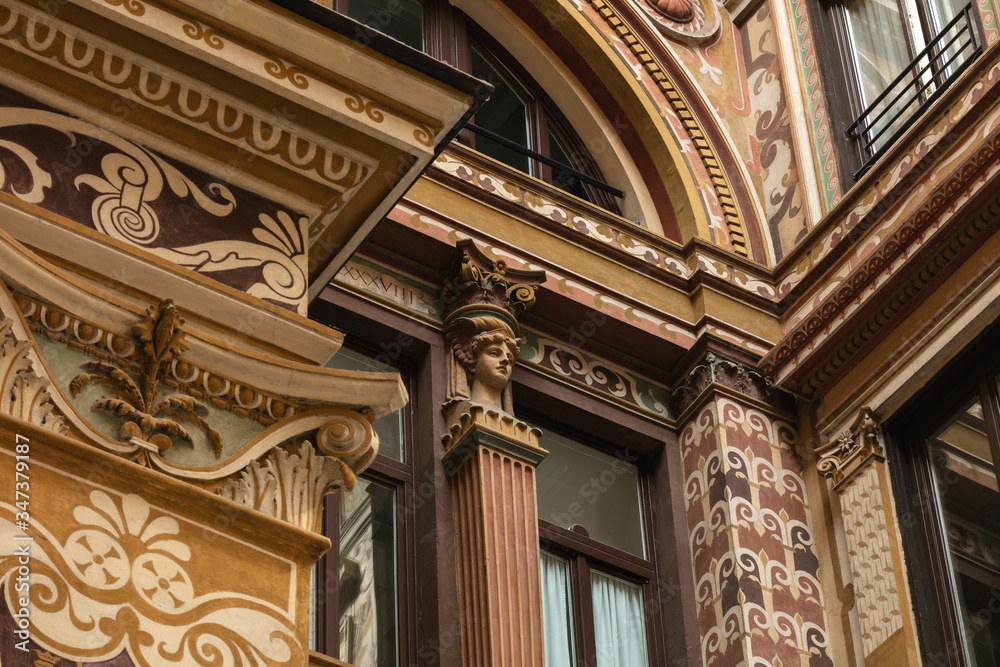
(557, 616)
(619, 622)
(880, 55)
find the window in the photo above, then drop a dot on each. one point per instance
(949, 443)
(595, 573)
(359, 585)
(520, 112)
(885, 69)
(519, 125)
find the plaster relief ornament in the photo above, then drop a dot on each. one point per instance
(689, 21)
(152, 417)
(480, 324)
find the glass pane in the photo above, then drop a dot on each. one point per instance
(313, 608)
(388, 428)
(619, 622)
(368, 576)
(582, 488)
(557, 611)
(967, 490)
(505, 113)
(400, 19)
(563, 179)
(880, 55)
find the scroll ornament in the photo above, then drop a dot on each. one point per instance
(845, 456)
(289, 483)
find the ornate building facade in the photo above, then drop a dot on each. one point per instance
(389, 333)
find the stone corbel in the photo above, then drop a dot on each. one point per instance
(717, 371)
(845, 457)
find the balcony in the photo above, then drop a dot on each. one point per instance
(916, 88)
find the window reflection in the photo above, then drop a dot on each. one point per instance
(966, 482)
(368, 576)
(389, 428)
(400, 19)
(582, 488)
(505, 113)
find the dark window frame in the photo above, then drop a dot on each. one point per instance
(450, 35)
(585, 554)
(398, 475)
(924, 542)
(841, 80)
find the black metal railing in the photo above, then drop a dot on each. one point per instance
(916, 87)
(546, 160)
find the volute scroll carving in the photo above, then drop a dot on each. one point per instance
(289, 483)
(848, 454)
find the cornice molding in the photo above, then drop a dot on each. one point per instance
(861, 207)
(140, 354)
(930, 250)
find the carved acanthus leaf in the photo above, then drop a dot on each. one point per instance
(150, 416)
(24, 394)
(289, 486)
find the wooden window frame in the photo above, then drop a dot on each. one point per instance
(543, 113)
(840, 78)
(399, 476)
(585, 554)
(449, 36)
(929, 562)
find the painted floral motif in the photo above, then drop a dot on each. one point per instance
(117, 546)
(125, 577)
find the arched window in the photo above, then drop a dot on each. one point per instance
(519, 125)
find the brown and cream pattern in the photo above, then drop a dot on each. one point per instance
(757, 585)
(135, 196)
(128, 568)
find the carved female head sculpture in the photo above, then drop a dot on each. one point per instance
(487, 349)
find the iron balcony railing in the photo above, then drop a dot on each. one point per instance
(544, 159)
(916, 87)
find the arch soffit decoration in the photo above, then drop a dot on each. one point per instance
(674, 126)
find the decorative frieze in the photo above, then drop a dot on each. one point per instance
(152, 416)
(121, 350)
